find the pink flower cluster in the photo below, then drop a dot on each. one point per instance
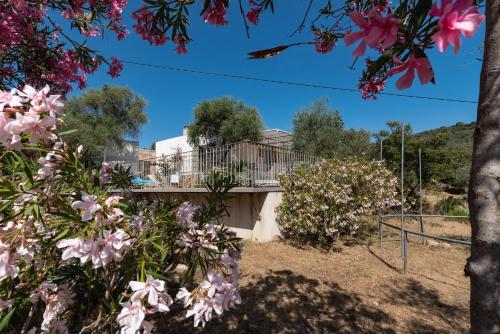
(197, 238)
(115, 67)
(133, 313)
(421, 66)
(216, 13)
(57, 299)
(100, 252)
(144, 27)
(216, 294)
(377, 32)
(325, 40)
(254, 12)
(457, 17)
(23, 32)
(28, 113)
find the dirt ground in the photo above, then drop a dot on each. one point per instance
(356, 289)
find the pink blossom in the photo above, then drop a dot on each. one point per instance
(253, 14)
(216, 14)
(88, 205)
(10, 98)
(55, 305)
(105, 172)
(115, 67)
(151, 288)
(113, 246)
(377, 32)
(185, 296)
(185, 214)
(34, 125)
(8, 263)
(131, 317)
(144, 27)
(112, 200)
(212, 284)
(457, 17)
(181, 42)
(421, 65)
(92, 32)
(325, 41)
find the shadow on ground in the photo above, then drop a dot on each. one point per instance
(283, 302)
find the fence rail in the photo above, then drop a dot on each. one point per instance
(249, 164)
(404, 232)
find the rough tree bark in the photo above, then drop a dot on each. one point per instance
(484, 190)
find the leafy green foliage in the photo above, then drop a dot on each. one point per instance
(224, 120)
(319, 130)
(103, 118)
(446, 154)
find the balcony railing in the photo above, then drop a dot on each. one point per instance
(249, 164)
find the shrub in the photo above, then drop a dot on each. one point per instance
(78, 255)
(451, 206)
(327, 200)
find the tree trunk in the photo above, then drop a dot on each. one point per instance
(484, 189)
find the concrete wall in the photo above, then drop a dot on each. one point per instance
(251, 214)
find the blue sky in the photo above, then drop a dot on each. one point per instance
(173, 95)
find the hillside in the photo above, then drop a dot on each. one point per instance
(448, 150)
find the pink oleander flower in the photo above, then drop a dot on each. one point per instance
(181, 42)
(421, 65)
(10, 98)
(92, 32)
(216, 14)
(370, 88)
(51, 163)
(8, 262)
(131, 317)
(88, 205)
(377, 32)
(253, 13)
(151, 288)
(458, 17)
(9, 136)
(325, 40)
(112, 200)
(144, 27)
(186, 213)
(55, 305)
(212, 284)
(34, 125)
(115, 68)
(105, 172)
(185, 296)
(114, 245)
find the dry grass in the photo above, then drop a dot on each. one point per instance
(358, 289)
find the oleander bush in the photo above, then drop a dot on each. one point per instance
(79, 255)
(327, 200)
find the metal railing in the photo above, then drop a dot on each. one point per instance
(405, 232)
(249, 164)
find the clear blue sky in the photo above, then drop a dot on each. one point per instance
(173, 95)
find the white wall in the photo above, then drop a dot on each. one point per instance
(171, 145)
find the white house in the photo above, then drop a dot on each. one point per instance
(173, 145)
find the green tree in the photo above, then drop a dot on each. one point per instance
(103, 118)
(224, 120)
(318, 129)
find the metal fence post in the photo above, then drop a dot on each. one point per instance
(381, 232)
(405, 252)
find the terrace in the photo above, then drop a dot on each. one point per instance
(250, 165)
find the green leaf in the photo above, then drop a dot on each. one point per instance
(68, 132)
(5, 320)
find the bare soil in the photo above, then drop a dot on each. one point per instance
(358, 288)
